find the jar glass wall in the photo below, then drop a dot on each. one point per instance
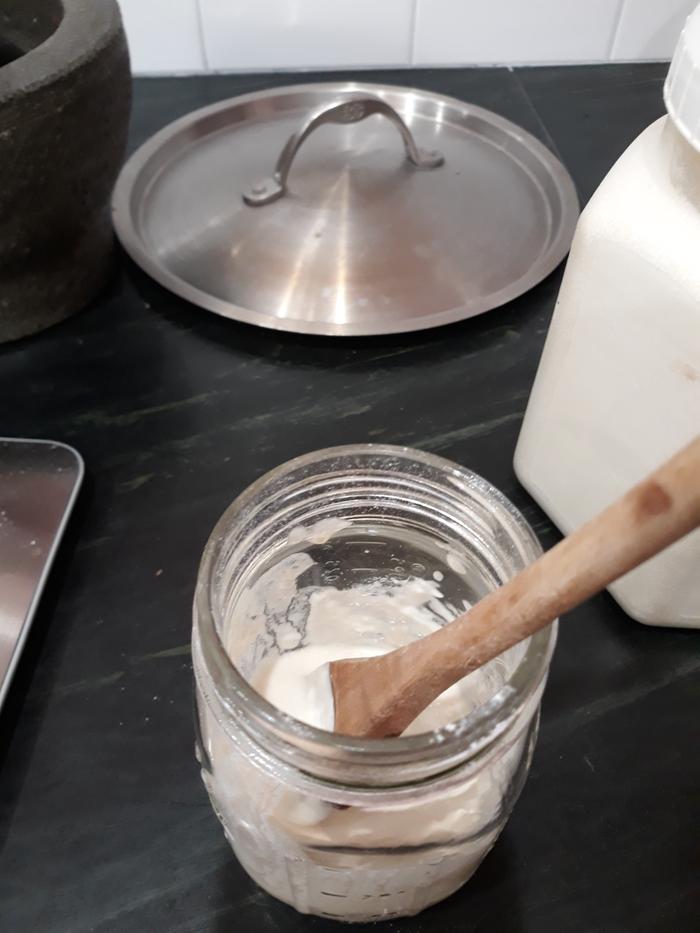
(350, 828)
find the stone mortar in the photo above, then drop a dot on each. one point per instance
(65, 99)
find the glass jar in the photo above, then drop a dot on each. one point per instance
(359, 829)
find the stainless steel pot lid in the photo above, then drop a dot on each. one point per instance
(345, 209)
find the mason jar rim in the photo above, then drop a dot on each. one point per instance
(475, 731)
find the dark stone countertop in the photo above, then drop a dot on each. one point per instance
(104, 822)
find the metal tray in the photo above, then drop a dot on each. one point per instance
(39, 482)
(413, 210)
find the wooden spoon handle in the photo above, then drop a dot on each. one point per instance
(651, 516)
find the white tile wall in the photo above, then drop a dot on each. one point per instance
(240, 35)
(244, 34)
(450, 32)
(650, 28)
(164, 35)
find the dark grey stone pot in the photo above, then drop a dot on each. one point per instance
(65, 98)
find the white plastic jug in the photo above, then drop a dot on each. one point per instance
(618, 387)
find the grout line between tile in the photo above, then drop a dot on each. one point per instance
(616, 29)
(200, 30)
(530, 103)
(413, 36)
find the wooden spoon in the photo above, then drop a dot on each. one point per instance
(381, 696)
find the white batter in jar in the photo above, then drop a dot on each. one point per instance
(363, 621)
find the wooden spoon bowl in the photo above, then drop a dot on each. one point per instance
(381, 696)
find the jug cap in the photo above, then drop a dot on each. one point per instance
(682, 87)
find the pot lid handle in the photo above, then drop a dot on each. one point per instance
(349, 110)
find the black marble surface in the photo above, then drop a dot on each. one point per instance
(104, 823)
